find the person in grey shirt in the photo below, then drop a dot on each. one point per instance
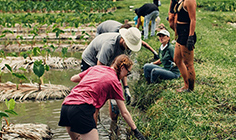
(105, 47)
(108, 26)
(114, 26)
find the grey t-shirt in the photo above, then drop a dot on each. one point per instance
(104, 48)
(108, 26)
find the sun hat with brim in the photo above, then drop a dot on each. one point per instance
(163, 32)
(132, 37)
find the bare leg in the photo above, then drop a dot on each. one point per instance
(73, 135)
(178, 58)
(92, 135)
(113, 115)
(95, 116)
(188, 57)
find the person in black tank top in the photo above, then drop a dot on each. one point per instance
(184, 54)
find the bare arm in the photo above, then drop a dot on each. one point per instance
(99, 63)
(124, 81)
(139, 23)
(125, 114)
(191, 5)
(76, 78)
(158, 62)
(146, 45)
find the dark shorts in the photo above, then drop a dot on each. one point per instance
(78, 117)
(183, 32)
(84, 66)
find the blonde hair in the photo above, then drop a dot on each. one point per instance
(121, 60)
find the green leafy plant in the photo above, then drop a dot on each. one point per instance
(18, 75)
(10, 110)
(39, 69)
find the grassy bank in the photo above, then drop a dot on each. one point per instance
(210, 111)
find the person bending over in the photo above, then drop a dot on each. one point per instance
(96, 85)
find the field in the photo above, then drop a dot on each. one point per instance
(207, 113)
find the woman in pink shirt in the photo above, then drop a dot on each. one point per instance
(96, 86)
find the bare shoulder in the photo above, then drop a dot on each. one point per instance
(190, 4)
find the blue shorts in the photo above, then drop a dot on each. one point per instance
(78, 117)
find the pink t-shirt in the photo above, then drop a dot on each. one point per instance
(97, 85)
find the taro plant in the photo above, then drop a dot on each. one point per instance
(58, 32)
(18, 75)
(10, 110)
(2, 54)
(64, 51)
(17, 39)
(7, 42)
(39, 69)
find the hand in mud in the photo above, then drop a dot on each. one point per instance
(138, 135)
(127, 95)
(190, 43)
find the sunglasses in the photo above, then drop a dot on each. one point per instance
(129, 72)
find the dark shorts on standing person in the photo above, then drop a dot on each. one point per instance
(78, 117)
(183, 33)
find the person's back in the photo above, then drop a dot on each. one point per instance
(91, 90)
(146, 9)
(104, 48)
(108, 26)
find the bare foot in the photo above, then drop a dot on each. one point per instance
(182, 89)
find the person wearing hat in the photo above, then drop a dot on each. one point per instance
(95, 86)
(111, 26)
(105, 47)
(114, 26)
(150, 12)
(153, 72)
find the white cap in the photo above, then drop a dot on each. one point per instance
(163, 32)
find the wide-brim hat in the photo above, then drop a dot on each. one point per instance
(163, 32)
(132, 37)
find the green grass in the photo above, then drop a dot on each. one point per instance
(210, 111)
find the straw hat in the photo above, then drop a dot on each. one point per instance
(132, 37)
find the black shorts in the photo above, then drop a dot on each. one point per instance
(78, 117)
(183, 33)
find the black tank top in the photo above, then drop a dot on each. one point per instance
(182, 13)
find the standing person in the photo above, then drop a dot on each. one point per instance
(96, 86)
(114, 26)
(150, 12)
(111, 26)
(184, 48)
(154, 73)
(172, 16)
(105, 47)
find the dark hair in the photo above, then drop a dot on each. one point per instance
(136, 10)
(127, 26)
(121, 60)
